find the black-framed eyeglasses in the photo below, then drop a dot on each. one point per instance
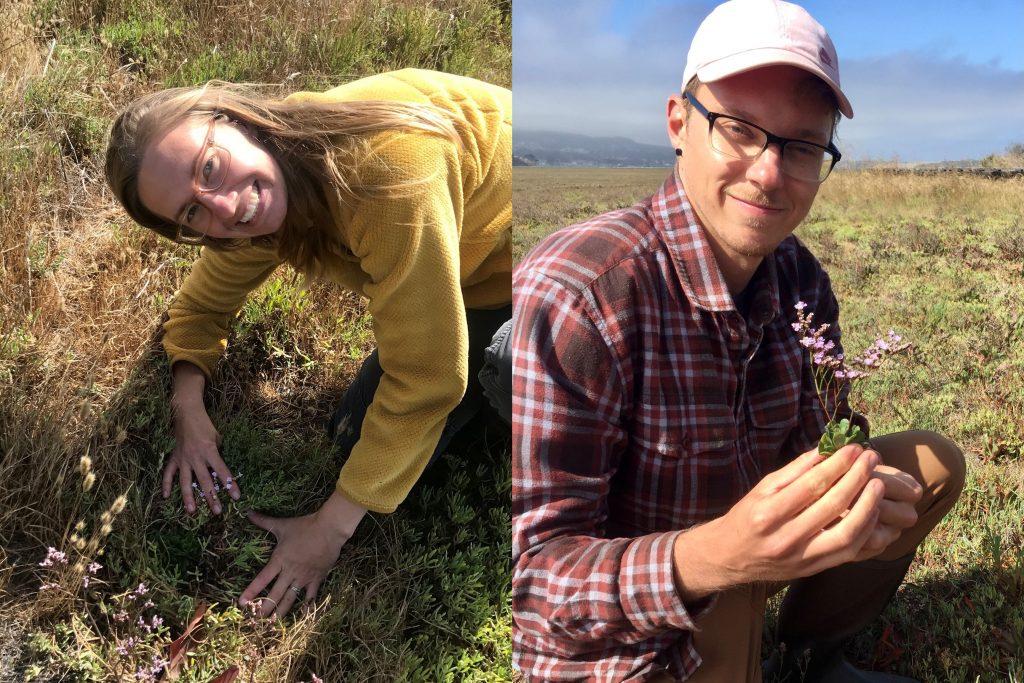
(211, 168)
(734, 137)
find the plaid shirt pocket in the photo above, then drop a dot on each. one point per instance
(673, 444)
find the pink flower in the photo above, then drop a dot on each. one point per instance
(54, 557)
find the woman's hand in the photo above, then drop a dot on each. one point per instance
(307, 548)
(196, 455)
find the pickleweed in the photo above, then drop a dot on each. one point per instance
(834, 379)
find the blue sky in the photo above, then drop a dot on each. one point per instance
(929, 80)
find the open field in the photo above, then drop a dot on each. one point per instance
(940, 259)
(421, 595)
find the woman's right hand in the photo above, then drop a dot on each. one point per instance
(196, 455)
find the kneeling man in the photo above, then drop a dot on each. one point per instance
(665, 475)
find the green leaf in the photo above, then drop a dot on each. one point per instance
(839, 434)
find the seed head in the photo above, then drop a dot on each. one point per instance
(118, 505)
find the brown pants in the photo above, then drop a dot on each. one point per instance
(729, 639)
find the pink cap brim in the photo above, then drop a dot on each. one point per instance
(755, 59)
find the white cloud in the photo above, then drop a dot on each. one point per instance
(573, 73)
(917, 107)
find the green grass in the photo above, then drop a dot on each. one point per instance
(419, 595)
(938, 259)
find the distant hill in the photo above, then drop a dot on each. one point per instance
(548, 148)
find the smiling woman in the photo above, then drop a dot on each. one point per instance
(226, 190)
(396, 186)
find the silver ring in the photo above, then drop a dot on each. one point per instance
(296, 590)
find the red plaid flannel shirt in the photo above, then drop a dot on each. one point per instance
(644, 403)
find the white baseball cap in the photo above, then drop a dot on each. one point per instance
(741, 35)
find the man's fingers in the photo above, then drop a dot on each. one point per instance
(792, 471)
(899, 485)
(845, 541)
(814, 483)
(839, 497)
(881, 537)
(897, 514)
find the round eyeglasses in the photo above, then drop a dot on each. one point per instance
(739, 139)
(211, 169)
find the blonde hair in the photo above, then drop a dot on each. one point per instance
(319, 147)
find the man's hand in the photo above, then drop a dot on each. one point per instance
(307, 548)
(896, 511)
(811, 515)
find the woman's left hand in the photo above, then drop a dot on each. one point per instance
(307, 548)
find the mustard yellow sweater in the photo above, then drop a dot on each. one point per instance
(420, 260)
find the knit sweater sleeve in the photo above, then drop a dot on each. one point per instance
(408, 246)
(197, 326)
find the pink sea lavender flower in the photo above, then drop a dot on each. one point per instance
(150, 626)
(94, 567)
(833, 378)
(54, 558)
(121, 617)
(126, 646)
(158, 665)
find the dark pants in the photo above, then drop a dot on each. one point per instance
(483, 326)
